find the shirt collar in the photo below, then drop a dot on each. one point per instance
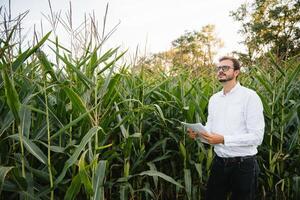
(235, 88)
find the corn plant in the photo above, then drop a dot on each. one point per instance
(85, 126)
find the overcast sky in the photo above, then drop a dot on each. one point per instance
(153, 24)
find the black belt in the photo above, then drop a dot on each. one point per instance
(235, 159)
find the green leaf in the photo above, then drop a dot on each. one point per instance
(296, 186)
(77, 102)
(74, 188)
(85, 80)
(12, 96)
(58, 45)
(84, 177)
(98, 181)
(120, 120)
(56, 149)
(73, 159)
(111, 63)
(7, 43)
(266, 106)
(72, 123)
(25, 115)
(188, 182)
(31, 147)
(104, 87)
(48, 66)
(3, 171)
(293, 76)
(22, 57)
(103, 58)
(146, 190)
(161, 175)
(104, 147)
(264, 81)
(182, 150)
(160, 113)
(7, 121)
(153, 168)
(275, 63)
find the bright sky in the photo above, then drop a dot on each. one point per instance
(149, 24)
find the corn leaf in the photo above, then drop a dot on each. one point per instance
(98, 180)
(74, 188)
(32, 148)
(188, 183)
(83, 173)
(12, 96)
(73, 159)
(3, 172)
(76, 100)
(161, 175)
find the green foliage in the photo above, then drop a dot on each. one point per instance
(270, 26)
(81, 129)
(198, 46)
(191, 51)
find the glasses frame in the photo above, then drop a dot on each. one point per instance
(224, 68)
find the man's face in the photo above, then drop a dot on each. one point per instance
(226, 72)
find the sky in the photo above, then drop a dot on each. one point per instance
(149, 24)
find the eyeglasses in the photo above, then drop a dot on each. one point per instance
(224, 68)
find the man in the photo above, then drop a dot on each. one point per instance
(235, 127)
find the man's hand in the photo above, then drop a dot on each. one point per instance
(212, 138)
(192, 133)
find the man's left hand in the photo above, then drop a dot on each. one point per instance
(212, 138)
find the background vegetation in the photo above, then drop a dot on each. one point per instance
(78, 125)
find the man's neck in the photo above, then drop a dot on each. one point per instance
(227, 86)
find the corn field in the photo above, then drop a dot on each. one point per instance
(88, 128)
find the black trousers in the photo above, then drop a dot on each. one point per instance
(234, 177)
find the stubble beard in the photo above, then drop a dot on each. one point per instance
(228, 78)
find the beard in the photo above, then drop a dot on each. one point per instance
(227, 78)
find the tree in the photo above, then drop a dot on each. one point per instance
(270, 26)
(195, 49)
(190, 51)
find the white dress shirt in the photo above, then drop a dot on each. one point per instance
(238, 116)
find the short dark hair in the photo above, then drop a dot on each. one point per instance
(236, 63)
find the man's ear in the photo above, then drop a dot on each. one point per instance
(237, 72)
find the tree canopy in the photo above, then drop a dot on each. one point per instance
(270, 26)
(192, 50)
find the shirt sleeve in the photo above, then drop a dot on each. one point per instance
(209, 117)
(255, 125)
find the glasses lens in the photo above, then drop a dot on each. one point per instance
(224, 68)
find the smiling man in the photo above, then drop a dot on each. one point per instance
(236, 127)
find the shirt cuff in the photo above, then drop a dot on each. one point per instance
(228, 140)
